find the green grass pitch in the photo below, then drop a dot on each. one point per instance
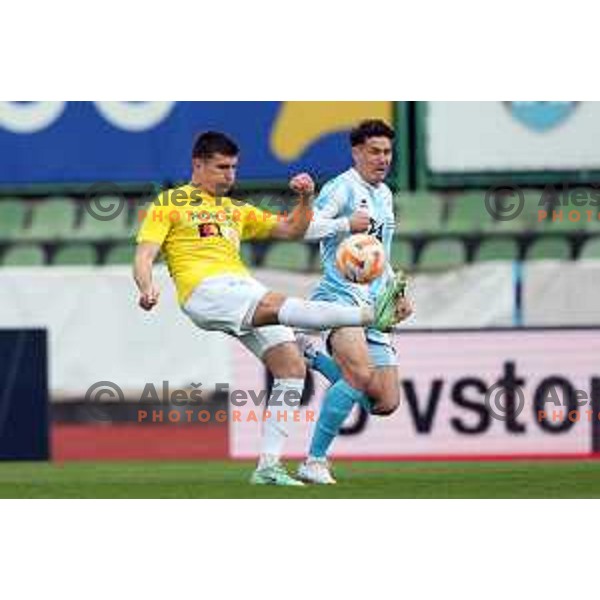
(543, 479)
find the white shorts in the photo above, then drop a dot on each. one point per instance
(227, 303)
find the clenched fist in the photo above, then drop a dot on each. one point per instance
(359, 221)
(303, 184)
(149, 299)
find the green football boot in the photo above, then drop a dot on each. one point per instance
(385, 305)
(274, 474)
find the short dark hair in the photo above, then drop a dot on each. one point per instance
(369, 129)
(209, 143)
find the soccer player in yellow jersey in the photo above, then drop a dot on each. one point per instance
(199, 231)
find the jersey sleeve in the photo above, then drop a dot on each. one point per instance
(329, 216)
(257, 224)
(156, 224)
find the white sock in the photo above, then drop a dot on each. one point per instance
(283, 402)
(311, 314)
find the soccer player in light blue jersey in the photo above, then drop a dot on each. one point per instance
(363, 369)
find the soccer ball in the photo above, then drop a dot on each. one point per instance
(360, 258)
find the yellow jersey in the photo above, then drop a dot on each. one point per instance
(200, 235)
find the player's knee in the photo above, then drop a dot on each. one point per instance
(386, 407)
(297, 369)
(294, 368)
(284, 361)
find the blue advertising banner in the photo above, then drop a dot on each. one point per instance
(81, 142)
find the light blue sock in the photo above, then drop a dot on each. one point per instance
(326, 366)
(365, 402)
(337, 405)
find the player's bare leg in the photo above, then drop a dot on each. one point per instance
(376, 389)
(350, 351)
(381, 385)
(349, 345)
(385, 392)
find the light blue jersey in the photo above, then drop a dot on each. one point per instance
(338, 200)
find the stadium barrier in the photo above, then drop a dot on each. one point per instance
(23, 395)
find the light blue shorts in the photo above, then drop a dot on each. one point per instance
(381, 350)
(382, 354)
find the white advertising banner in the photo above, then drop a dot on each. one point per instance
(480, 137)
(96, 331)
(559, 292)
(531, 379)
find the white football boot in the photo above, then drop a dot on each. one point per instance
(317, 471)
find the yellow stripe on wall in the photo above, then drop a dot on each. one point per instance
(300, 124)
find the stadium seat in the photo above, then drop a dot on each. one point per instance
(94, 229)
(120, 254)
(294, 256)
(594, 221)
(556, 218)
(470, 214)
(402, 254)
(24, 256)
(442, 254)
(52, 220)
(498, 249)
(419, 213)
(549, 247)
(12, 218)
(565, 218)
(526, 219)
(75, 254)
(591, 249)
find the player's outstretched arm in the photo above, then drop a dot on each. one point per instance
(297, 222)
(145, 256)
